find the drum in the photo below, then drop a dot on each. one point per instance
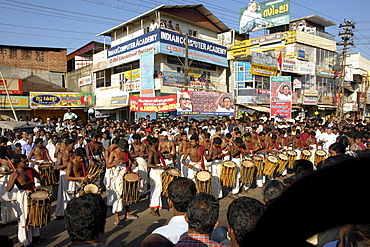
(168, 175)
(203, 181)
(90, 188)
(47, 169)
(319, 156)
(228, 173)
(292, 156)
(94, 170)
(131, 185)
(247, 172)
(270, 165)
(282, 162)
(258, 161)
(305, 155)
(39, 208)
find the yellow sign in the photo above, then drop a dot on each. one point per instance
(132, 74)
(263, 70)
(17, 101)
(293, 55)
(61, 99)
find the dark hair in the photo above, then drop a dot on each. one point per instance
(115, 140)
(303, 167)
(65, 136)
(70, 141)
(180, 192)
(80, 152)
(357, 235)
(194, 137)
(85, 217)
(338, 148)
(136, 136)
(243, 214)
(3, 139)
(239, 140)
(272, 189)
(156, 240)
(38, 140)
(152, 140)
(3, 152)
(217, 140)
(203, 213)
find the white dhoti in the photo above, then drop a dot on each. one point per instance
(236, 186)
(142, 169)
(63, 196)
(155, 187)
(108, 177)
(73, 188)
(8, 201)
(313, 151)
(184, 169)
(25, 233)
(116, 192)
(216, 182)
(36, 167)
(196, 167)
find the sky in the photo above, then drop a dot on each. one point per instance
(73, 23)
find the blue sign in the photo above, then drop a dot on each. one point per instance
(46, 99)
(146, 74)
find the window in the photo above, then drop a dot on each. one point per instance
(242, 76)
(102, 79)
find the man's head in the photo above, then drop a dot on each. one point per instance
(123, 145)
(227, 102)
(70, 144)
(336, 149)
(180, 193)
(194, 140)
(39, 142)
(184, 101)
(202, 215)
(85, 218)
(272, 189)
(80, 154)
(242, 215)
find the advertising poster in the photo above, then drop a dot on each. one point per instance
(260, 15)
(281, 97)
(146, 74)
(14, 86)
(64, 99)
(84, 81)
(198, 103)
(153, 104)
(17, 101)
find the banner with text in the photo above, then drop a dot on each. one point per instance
(61, 99)
(146, 74)
(198, 103)
(153, 104)
(281, 97)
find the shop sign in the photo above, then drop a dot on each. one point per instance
(17, 101)
(14, 86)
(309, 100)
(61, 99)
(153, 104)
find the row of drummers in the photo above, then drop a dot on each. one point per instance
(250, 169)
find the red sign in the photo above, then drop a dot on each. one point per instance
(14, 86)
(153, 104)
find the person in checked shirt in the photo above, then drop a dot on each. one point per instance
(202, 218)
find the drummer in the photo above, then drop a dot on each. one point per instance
(214, 155)
(167, 148)
(119, 162)
(196, 157)
(139, 152)
(38, 155)
(24, 178)
(94, 149)
(76, 172)
(237, 155)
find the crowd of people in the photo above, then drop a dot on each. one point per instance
(211, 159)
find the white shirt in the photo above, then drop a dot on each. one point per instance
(222, 109)
(175, 228)
(51, 148)
(330, 139)
(153, 26)
(69, 116)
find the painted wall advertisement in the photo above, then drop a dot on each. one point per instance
(61, 99)
(84, 81)
(153, 104)
(198, 103)
(257, 16)
(281, 97)
(17, 101)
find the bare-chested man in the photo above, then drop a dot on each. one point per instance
(76, 172)
(94, 149)
(38, 155)
(183, 146)
(215, 156)
(108, 173)
(63, 159)
(139, 152)
(61, 146)
(157, 164)
(196, 161)
(24, 178)
(237, 153)
(167, 148)
(119, 163)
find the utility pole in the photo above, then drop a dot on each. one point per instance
(186, 62)
(347, 40)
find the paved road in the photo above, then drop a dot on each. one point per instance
(133, 232)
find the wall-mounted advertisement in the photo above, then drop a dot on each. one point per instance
(146, 74)
(64, 99)
(84, 81)
(153, 104)
(260, 15)
(281, 97)
(198, 103)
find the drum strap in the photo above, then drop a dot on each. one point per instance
(30, 174)
(161, 158)
(251, 147)
(44, 151)
(241, 152)
(286, 142)
(201, 149)
(83, 168)
(128, 169)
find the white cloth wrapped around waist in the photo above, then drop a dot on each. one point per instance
(4, 195)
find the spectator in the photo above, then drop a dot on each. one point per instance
(156, 240)
(85, 220)
(69, 115)
(153, 26)
(271, 190)
(202, 218)
(169, 25)
(180, 192)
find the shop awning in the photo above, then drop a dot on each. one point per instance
(258, 108)
(109, 108)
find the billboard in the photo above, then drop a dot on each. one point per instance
(281, 97)
(153, 104)
(64, 99)
(198, 103)
(14, 86)
(256, 16)
(17, 101)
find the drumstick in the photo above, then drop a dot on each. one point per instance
(10, 163)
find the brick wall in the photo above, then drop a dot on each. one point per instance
(52, 59)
